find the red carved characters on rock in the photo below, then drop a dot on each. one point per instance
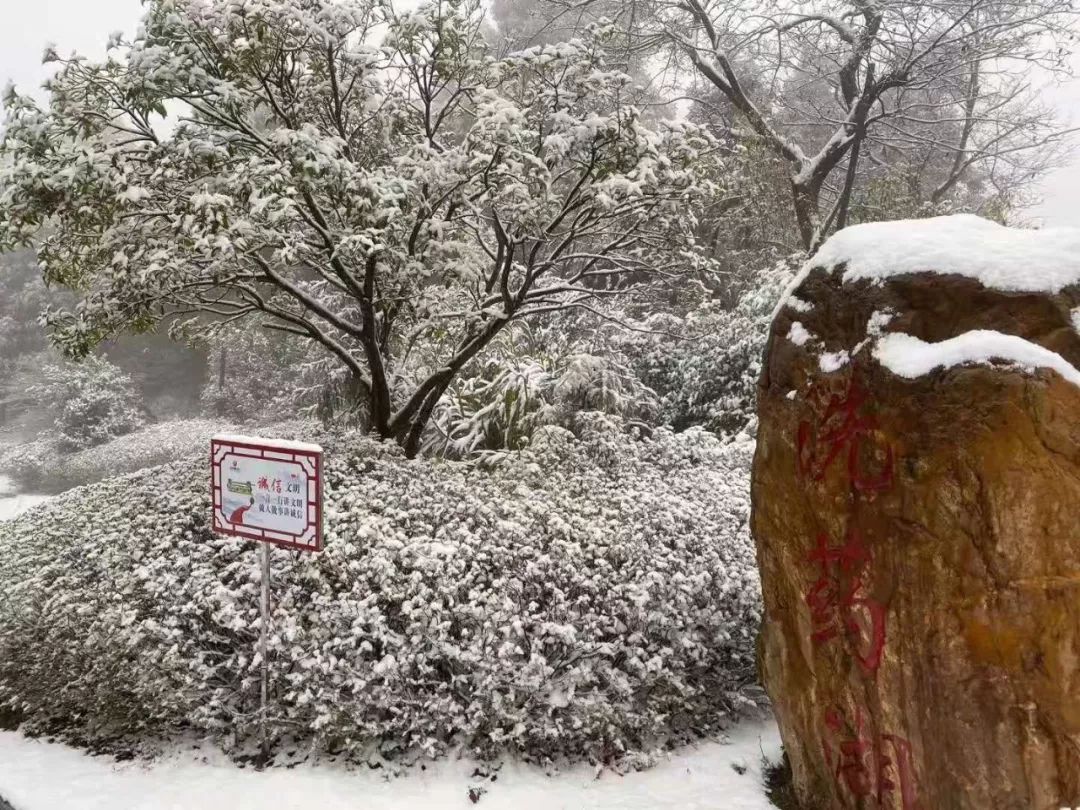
(838, 602)
(844, 430)
(897, 772)
(848, 758)
(875, 770)
(871, 769)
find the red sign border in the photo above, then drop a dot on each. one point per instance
(315, 458)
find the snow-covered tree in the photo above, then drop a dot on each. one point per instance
(945, 83)
(92, 402)
(838, 88)
(22, 297)
(367, 181)
(22, 345)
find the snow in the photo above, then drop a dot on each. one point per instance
(39, 775)
(799, 305)
(12, 506)
(798, 334)
(280, 444)
(878, 321)
(1009, 259)
(834, 361)
(1000, 258)
(910, 357)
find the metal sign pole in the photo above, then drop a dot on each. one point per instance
(263, 645)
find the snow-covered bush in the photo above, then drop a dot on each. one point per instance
(148, 447)
(498, 408)
(32, 464)
(700, 370)
(708, 376)
(541, 603)
(512, 396)
(92, 401)
(42, 464)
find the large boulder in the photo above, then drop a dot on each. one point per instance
(916, 497)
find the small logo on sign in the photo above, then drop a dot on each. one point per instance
(240, 487)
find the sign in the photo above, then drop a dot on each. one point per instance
(268, 490)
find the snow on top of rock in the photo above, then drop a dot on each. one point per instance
(908, 356)
(1010, 259)
(1000, 258)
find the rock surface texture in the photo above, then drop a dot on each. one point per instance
(916, 500)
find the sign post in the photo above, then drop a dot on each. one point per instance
(271, 491)
(264, 656)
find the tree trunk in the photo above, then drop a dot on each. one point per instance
(413, 438)
(805, 197)
(843, 205)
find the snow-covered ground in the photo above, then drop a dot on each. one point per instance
(12, 503)
(36, 775)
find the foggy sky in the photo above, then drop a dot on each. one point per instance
(84, 26)
(26, 26)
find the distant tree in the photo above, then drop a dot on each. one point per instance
(526, 24)
(91, 402)
(168, 374)
(267, 375)
(22, 299)
(369, 197)
(944, 84)
(940, 92)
